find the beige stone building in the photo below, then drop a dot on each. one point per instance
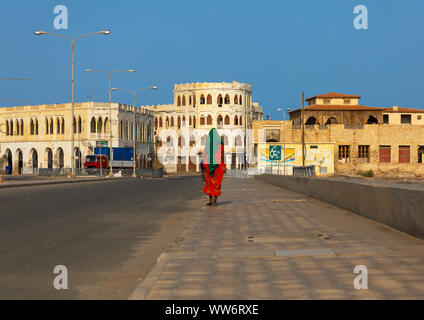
(389, 141)
(33, 137)
(181, 127)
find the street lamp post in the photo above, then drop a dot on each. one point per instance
(109, 74)
(72, 41)
(134, 92)
(284, 137)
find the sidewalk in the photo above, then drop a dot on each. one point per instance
(51, 180)
(264, 242)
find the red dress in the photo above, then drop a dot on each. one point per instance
(213, 184)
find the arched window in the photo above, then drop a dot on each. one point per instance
(179, 122)
(238, 141)
(57, 126)
(202, 120)
(235, 99)
(62, 126)
(372, 120)
(167, 122)
(189, 100)
(120, 129)
(227, 120)
(99, 125)
(311, 121)
(203, 140)
(240, 121)
(240, 100)
(181, 141)
(36, 127)
(224, 139)
(236, 120)
(160, 122)
(74, 125)
(106, 125)
(209, 120)
(22, 127)
(11, 127)
(194, 122)
(7, 128)
(17, 128)
(79, 124)
(227, 99)
(184, 121)
(156, 123)
(172, 121)
(202, 99)
(93, 125)
(31, 127)
(192, 141)
(47, 125)
(51, 126)
(219, 101)
(219, 120)
(178, 101)
(331, 120)
(189, 121)
(209, 99)
(184, 101)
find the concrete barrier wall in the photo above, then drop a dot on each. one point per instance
(398, 207)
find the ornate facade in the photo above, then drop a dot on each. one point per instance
(181, 127)
(33, 137)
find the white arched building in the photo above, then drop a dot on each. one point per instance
(181, 128)
(34, 137)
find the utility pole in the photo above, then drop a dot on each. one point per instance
(303, 129)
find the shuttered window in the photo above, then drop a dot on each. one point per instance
(404, 154)
(385, 154)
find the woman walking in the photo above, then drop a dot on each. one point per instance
(214, 166)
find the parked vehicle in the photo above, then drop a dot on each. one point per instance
(93, 162)
(122, 157)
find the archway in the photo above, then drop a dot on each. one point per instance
(34, 158)
(49, 158)
(59, 159)
(19, 161)
(331, 120)
(372, 120)
(9, 161)
(311, 121)
(78, 158)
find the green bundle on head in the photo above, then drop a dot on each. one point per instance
(213, 144)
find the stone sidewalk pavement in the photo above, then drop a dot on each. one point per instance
(265, 242)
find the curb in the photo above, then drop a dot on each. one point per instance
(143, 290)
(28, 184)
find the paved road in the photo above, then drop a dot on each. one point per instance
(108, 234)
(265, 242)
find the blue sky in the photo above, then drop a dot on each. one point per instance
(281, 47)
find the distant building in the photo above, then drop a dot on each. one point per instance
(181, 128)
(33, 137)
(389, 141)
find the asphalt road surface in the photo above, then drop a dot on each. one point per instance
(107, 234)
